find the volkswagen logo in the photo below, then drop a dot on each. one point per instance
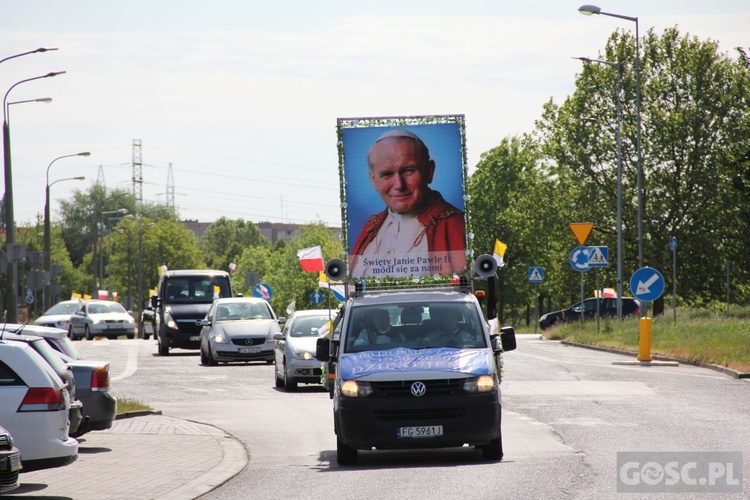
(248, 341)
(418, 389)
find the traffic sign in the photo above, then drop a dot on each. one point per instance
(536, 274)
(647, 284)
(579, 259)
(581, 230)
(598, 256)
(673, 243)
(263, 291)
(316, 297)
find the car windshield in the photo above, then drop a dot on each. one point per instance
(104, 308)
(242, 311)
(308, 326)
(196, 289)
(61, 308)
(415, 326)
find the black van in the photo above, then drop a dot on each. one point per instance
(182, 300)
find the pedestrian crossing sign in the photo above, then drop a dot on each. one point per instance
(598, 256)
(536, 274)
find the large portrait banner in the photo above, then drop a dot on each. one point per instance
(403, 195)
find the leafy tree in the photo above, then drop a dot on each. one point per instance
(225, 240)
(695, 119)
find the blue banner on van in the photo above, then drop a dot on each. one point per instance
(467, 361)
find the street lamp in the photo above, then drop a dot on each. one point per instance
(619, 178)
(41, 49)
(10, 223)
(588, 10)
(47, 230)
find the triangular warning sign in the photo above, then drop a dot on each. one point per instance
(535, 276)
(581, 230)
(597, 257)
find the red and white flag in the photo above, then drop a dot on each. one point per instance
(311, 259)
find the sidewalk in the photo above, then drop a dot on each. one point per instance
(145, 457)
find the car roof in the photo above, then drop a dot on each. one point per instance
(411, 296)
(315, 312)
(38, 330)
(37, 373)
(253, 300)
(195, 272)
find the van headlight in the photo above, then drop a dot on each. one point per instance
(169, 320)
(355, 389)
(483, 383)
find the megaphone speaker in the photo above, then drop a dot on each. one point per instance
(485, 266)
(335, 269)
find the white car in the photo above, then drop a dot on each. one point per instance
(295, 348)
(34, 408)
(58, 316)
(101, 318)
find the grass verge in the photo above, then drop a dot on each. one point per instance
(125, 405)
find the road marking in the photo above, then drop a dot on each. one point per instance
(132, 365)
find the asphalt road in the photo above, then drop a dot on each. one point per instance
(567, 413)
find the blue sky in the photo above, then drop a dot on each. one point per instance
(241, 97)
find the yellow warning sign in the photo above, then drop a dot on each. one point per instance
(581, 230)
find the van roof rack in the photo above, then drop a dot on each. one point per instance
(362, 288)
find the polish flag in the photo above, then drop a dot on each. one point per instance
(311, 259)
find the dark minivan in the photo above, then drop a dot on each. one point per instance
(182, 300)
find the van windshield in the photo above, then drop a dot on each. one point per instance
(195, 289)
(414, 326)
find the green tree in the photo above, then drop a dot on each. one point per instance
(695, 119)
(224, 241)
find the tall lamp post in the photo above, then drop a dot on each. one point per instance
(47, 224)
(10, 223)
(619, 178)
(588, 10)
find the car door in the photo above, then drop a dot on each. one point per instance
(76, 320)
(280, 347)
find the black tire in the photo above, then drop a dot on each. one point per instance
(279, 380)
(204, 358)
(163, 347)
(87, 333)
(493, 451)
(71, 335)
(131, 336)
(143, 332)
(345, 455)
(289, 384)
(211, 360)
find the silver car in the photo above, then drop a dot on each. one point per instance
(101, 318)
(238, 329)
(58, 316)
(295, 348)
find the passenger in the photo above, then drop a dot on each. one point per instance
(381, 331)
(449, 331)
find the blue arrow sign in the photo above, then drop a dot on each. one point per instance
(647, 284)
(263, 291)
(579, 259)
(598, 256)
(536, 274)
(316, 297)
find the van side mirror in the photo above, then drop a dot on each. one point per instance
(508, 338)
(154, 301)
(323, 349)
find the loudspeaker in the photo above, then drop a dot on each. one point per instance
(485, 266)
(335, 269)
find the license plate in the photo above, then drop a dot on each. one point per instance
(195, 339)
(15, 462)
(421, 431)
(249, 350)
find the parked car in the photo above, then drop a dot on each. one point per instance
(147, 326)
(35, 408)
(105, 318)
(65, 372)
(58, 316)
(294, 353)
(99, 407)
(238, 329)
(607, 308)
(10, 462)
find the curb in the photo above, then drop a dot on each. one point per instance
(723, 369)
(139, 413)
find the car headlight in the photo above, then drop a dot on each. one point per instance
(169, 320)
(483, 383)
(300, 354)
(220, 338)
(95, 321)
(355, 389)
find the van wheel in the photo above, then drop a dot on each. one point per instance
(163, 347)
(345, 455)
(493, 451)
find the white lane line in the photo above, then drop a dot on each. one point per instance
(132, 365)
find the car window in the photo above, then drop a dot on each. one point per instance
(308, 326)
(8, 377)
(195, 289)
(49, 355)
(61, 309)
